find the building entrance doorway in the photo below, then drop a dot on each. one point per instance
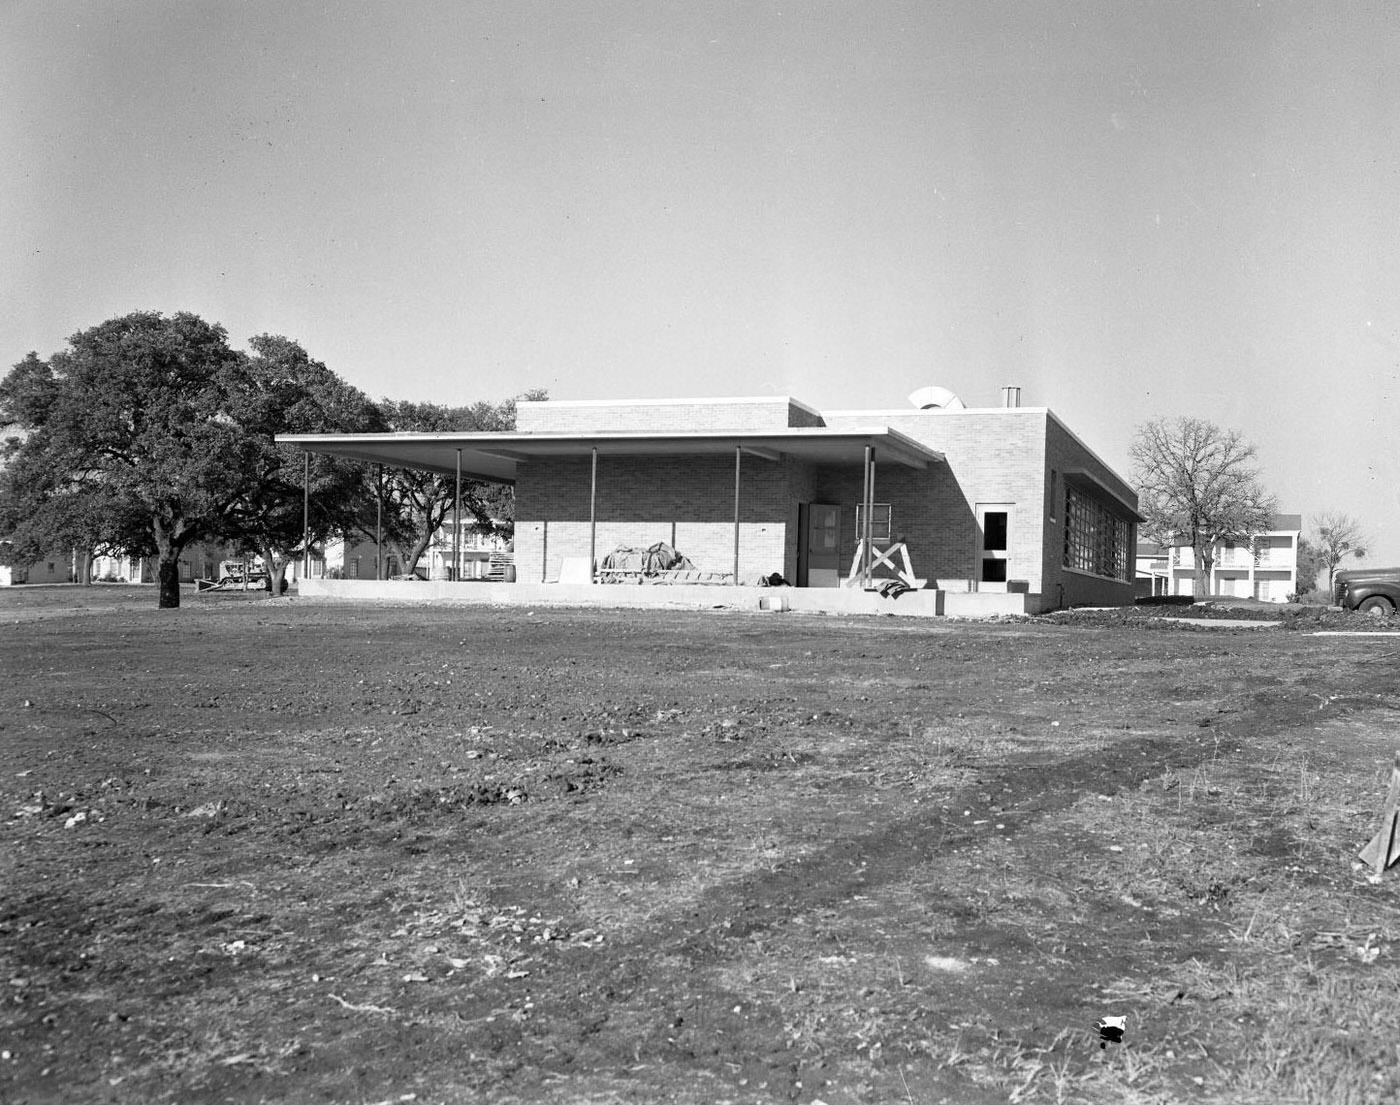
(820, 536)
(993, 544)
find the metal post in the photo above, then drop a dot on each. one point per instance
(868, 529)
(593, 521)
(306, 518)
(738, 452)
(864, 497)
(870, 524)
(379, 521)
(457, 524)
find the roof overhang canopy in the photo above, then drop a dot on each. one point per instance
(496, 456)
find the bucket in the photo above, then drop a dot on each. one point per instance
(773, 603)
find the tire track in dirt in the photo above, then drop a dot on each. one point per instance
(717, 927)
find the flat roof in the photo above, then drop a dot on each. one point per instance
(496, 456)
(720, 401)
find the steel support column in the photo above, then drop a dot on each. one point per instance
(305, 517)
(593, 521)
(457, 524)
(738, 453)
(868, 530)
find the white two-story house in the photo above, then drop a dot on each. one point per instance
(1264, 568)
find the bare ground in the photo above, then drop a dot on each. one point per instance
(269, 850)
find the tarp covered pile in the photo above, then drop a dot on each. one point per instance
(647, 562)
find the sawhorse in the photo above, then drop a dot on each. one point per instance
(885, 557)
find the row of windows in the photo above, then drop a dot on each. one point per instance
(1096, 540)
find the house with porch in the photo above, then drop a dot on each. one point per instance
(1264, 566)
(999, 509)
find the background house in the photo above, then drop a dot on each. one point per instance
(1264, 567)
(55, 567)
(345, 559)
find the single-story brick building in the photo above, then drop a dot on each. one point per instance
(1002, 501)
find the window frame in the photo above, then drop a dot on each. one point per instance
(1098, 541)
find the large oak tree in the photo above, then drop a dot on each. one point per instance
(149, 433)
(282, 390)
(1198, 485)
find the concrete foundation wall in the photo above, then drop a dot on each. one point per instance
(797, 600)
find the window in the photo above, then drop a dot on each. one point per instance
(1096, 540)
(880, 522)
(995, 524)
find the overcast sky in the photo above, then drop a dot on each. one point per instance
(1129, 209)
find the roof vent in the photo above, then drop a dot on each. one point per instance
(1010, 397)
(935, 399)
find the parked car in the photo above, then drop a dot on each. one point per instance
(1374, 591)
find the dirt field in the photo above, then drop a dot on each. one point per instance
(267, 850)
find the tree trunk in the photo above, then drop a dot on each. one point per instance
(1204, 563)
(168, 579)
(414, 554)
(275, 565)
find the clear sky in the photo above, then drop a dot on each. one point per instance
(1129, 209)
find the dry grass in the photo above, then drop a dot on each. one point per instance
(589, 857)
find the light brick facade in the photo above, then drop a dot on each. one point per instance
(686, 502)
(759, 415)
(1017, 462)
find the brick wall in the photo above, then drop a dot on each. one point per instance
(766, 415)
(993, 456)
(802, 485)
(926, 508)
(1064, 586)
(999, 456)
(687, 502)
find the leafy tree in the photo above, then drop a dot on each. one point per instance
(148, 434)
(1198, 484)
(417, 504)
(1338, 536)
(1309, 565)
(125, 441)
(283, 391)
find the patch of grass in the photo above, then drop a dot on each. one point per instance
(801, 860)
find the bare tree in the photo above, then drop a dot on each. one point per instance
(1198, 484)
(1338, 536)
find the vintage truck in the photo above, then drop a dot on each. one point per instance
(1374, 591)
